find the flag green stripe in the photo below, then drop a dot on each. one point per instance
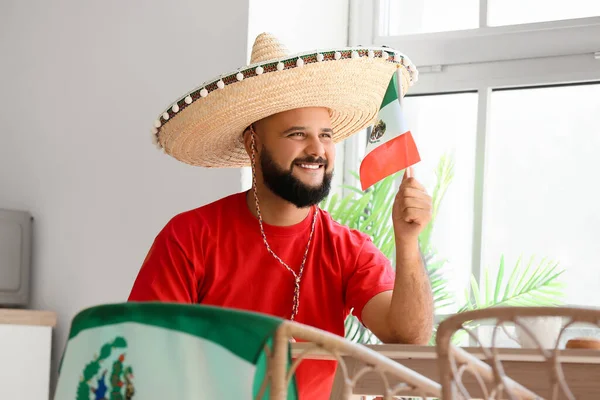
(261, 371)
(243, 333)
(391, 93)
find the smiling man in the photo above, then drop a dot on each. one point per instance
(271, 249)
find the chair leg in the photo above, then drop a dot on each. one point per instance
(278, 365)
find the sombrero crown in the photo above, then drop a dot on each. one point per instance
(205, 126)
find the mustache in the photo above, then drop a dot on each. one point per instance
(312, 160)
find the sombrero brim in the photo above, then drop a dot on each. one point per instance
(205, 127)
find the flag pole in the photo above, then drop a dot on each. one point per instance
(399, 85)
(407, 171)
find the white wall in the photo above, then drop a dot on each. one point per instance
(301, 26)
(82, 83)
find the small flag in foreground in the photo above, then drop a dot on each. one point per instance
(390, 146)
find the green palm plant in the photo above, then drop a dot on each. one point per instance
(370, 212)
(530, 284)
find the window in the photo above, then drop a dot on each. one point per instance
(426, 16)
(541, 198)
(509, 12)
(450, 136)
(420, 16)
(514, 97)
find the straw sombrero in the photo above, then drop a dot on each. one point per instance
(205, 126)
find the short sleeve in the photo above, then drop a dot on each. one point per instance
(371, 275)
(167, 273)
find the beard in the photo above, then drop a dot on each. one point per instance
(288, 187)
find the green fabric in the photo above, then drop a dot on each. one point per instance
(232, 329)
(391, 93)
(261, 364)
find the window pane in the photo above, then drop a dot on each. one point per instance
(421, 16)
(510, 12)
(541, 186)
(445, 125)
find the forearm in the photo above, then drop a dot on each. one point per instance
(411, 311)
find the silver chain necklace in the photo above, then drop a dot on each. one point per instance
(298, 276)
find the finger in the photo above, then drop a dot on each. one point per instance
(415, 216)
(411, 182)
(407, 192)
(418, 203)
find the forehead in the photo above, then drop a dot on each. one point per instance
(309, 117)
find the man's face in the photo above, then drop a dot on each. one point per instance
(297, 155)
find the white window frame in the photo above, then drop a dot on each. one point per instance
(481, 60)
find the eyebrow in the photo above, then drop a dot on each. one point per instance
(303, 128)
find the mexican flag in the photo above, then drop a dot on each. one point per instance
(158, 351)
(390, 145)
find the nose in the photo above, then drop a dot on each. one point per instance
(315, 147)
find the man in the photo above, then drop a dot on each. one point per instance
(271, 249)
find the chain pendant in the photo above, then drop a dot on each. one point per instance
(297, 277)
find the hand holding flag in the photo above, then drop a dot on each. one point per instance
(391, 148)
(411, 211)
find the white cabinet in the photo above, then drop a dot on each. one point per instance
(25, 351)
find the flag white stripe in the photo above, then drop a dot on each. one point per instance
(391, 114)
(167, 364)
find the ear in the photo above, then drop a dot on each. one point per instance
(247, 135)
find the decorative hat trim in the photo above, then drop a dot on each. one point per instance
(296, 61)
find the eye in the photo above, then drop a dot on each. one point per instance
(296, 134)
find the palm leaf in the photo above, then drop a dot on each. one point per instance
(526, 286)
(353, 189)
(499, 278)
(444, 174)
(356, 332)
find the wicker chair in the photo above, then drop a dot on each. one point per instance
(411, 384)
(489, 376)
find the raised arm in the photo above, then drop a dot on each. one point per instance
(405, 315)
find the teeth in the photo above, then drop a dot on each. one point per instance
(309, 166)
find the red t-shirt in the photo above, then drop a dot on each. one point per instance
(215, 255)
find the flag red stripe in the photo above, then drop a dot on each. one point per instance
(387, 159)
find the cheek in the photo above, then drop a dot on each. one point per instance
(282, 153)
(288, 154)
(330, 152)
